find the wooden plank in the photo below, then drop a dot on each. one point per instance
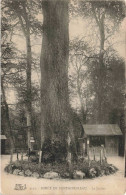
(111, 144)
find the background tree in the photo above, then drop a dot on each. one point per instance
(107, 16)
(23, 14)
(6, 70)
(79, 81)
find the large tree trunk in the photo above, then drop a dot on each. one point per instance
(55, 117)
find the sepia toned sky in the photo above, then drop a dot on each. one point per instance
(78, 27)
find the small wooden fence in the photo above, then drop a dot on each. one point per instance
(97, 153)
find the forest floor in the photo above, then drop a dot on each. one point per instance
(107, 185)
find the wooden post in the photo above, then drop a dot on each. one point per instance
(40, 156)
(17, 156)
(83, 150)
(28, 154)
(69, 158)
(88, 151)
(22, 156)
(104, 153)
(101, 155)
(28, 116)
(88, 155)
(29, 136)
(88, 158)
(11, 157)
(69, 152)
(94, 153)
(40, 159)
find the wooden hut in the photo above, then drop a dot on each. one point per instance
(107, 135)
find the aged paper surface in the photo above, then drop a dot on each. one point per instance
(106, 185)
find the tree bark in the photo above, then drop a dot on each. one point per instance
(7, 120)
(26, 31)
(101, 91)
(101, 72)
(79, 84)
(55, 109)
(28, 80)
(83, 112)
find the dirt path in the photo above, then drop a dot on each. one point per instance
(109, 185)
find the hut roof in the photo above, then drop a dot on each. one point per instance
(3, 137)
(102, 129)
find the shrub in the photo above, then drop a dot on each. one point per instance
(54, 151)
(34, 157)
(92, 172)
(95, 169)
